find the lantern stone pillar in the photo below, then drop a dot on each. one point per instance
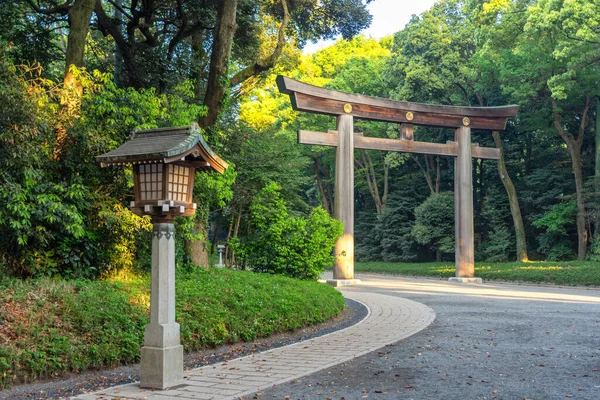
(162, 353)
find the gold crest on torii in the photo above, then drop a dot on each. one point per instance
(347, 106)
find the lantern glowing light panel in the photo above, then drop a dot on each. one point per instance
(179, 178)
(151, 183)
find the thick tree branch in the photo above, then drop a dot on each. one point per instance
(269, 61)
(425, 173)
(567, 137)
(120, 8)
(62, 9)
(183, 34)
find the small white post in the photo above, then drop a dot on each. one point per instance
(221, 248)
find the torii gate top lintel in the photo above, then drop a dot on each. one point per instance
(310, 98)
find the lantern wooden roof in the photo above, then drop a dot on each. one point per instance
(306, 97)
(166, 145)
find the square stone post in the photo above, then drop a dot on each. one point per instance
(343, 209)
(162, 353)
(463, 208)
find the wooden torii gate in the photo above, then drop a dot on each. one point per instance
(346, 107)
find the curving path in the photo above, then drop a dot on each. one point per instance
(390, 319)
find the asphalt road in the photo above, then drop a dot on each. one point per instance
(489, 341)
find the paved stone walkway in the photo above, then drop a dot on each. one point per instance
(390, 319)
(488, 341)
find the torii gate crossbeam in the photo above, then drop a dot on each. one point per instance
(346, 107)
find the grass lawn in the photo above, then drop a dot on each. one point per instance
(574, 273)
(50, 326)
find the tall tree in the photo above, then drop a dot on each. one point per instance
(550, 52)
(513, 201)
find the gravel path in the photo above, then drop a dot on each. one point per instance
(490, 341)
(92, 381)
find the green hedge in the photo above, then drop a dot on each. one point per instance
(572, 273)
(49, 326)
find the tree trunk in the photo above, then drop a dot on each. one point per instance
(229, 231)
(574, 147)
(317, 171)
(131, 75)
(513, 201)
(79, 26)
(597, 166)
(118, 61)
(219, 61)
(367, 165)
(196, 249)
(270, 61)
(581, 231)
(427, 174)
(438, 178)
(198, 60)
(235, 232)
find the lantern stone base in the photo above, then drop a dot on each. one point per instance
(161, 368)
(465, 280)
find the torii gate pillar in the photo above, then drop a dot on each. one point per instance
(463, 208)
(343, 208)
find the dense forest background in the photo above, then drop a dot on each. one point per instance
(76, 76)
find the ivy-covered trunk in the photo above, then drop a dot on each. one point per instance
(513, 201)
(196, 249)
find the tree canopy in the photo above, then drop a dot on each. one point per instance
(76, 76)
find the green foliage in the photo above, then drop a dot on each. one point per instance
(498, 247)
(58, 211)
(52, 326)
(559, 225)
(434, 222)
(298, 247)
(388, 237)
(218, 306)
(558, 218)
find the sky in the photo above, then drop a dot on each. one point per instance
(389, 16)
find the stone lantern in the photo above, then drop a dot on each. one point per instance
(164, 163)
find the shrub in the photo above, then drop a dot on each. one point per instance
(434, 222)
(297, 247)
(559, 223)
